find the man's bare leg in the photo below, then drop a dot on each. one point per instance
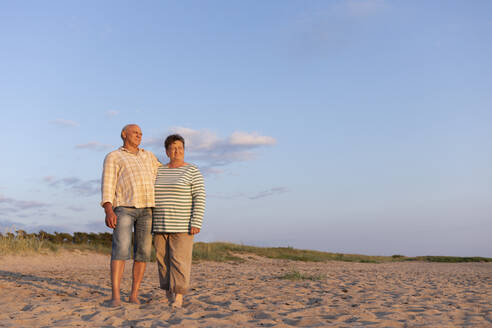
(117, 268)
(138, 273)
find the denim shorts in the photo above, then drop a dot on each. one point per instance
(141, 220)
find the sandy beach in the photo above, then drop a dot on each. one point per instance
(71, 289)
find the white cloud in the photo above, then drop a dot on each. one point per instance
(197, 139)
(211, 151)
(63, 122)
(112, 113)
(75, 185)
(94, 145)
(250, 139)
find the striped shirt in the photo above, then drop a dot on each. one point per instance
(179, 199)
(128, 179)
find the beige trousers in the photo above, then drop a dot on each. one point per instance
(173, 254)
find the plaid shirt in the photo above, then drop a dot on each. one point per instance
(128, 179)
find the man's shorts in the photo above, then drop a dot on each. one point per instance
(140, 219)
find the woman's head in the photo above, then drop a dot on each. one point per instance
(173, 138)
(174, 145)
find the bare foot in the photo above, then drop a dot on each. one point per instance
(115, 302)
(134, 300)
(178, 301)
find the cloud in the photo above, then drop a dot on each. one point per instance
(211, 171)
(17, 205)
(63, 122)
(12, 226)
(94, 145)
(75, 185)
(250, 139)
(10, 207)
(76, 208)
(211, 151)
(112, 113)
(262, 194)
(269, 192)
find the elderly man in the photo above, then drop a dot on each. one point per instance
(128, 197)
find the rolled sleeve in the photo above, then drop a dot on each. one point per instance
(108, 181)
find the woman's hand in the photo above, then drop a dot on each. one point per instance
(194, 230)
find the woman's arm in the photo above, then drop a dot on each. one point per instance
(198, 200)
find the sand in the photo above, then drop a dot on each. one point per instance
(71, 289)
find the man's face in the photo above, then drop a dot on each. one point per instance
(175, 151)
(132, 135)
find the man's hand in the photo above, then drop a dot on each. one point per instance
(111, 218)
(194, 230)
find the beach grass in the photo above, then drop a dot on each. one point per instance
(296, 275)
(15, 244)
(21, 242)
(226, 251)
(448, 259)
(221, 251)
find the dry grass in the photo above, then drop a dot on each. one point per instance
(11, 244)
(296, 275)
(22, 243)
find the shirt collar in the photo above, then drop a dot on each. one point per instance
(126, 150)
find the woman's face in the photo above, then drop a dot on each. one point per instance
(175, 151)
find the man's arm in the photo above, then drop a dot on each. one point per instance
(108, 181)
(108, 190)
(155, 163)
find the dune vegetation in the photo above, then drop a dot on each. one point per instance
(22, 243)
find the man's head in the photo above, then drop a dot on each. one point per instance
(131, 135)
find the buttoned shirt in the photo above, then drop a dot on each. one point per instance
(128, 179)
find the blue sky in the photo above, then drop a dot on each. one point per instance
(344, 126)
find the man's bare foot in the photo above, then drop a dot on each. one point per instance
(115, 303)
(134, 300)
(178, 301)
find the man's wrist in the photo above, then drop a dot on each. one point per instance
(108, 207)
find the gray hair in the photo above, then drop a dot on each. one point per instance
(124, 129)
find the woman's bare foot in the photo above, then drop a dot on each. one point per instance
(178, 301)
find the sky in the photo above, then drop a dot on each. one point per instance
(358, 126)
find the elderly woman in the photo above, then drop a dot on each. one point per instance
(177, 217)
